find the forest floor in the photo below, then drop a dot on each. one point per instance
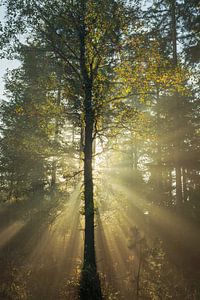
(41, 247)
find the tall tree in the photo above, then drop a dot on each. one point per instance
(169, 24)
(28, 122)
(86, 35)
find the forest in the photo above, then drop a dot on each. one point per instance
(100, 150)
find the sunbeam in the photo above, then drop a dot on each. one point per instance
(99, 150)
(8, 233)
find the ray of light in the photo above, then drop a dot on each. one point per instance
(57, 254)
(180, 237)
(162, 217)
(114, 255)
(9, 232)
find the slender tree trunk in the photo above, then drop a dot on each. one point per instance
(53, 175)
(134, 147)
(170, 184)
(89, 247)
(133, 153)
(178, 186)
(139, 275)
(54, 163)
(10, 194)
(90, 285)
(177, 111)
(174, 32)
(184, 175)
(159, 178)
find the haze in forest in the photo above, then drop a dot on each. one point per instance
(99, 150)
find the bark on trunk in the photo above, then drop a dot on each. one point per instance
(179, 195)
(185, 192)
(54, 163)
(90, 284)
(159, 182)
(170, 185)
(178, 186)
(89, 247)
(10, 194)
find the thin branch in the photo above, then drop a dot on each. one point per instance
(73, 175)
(57, 49)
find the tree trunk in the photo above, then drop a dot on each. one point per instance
(10, 193)
(170, 184)
(159, 182)
(185, 192)
(177, 111)
(89, 248)
(54, 163)
(53, 175)
(178, 186)
(90, 284)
